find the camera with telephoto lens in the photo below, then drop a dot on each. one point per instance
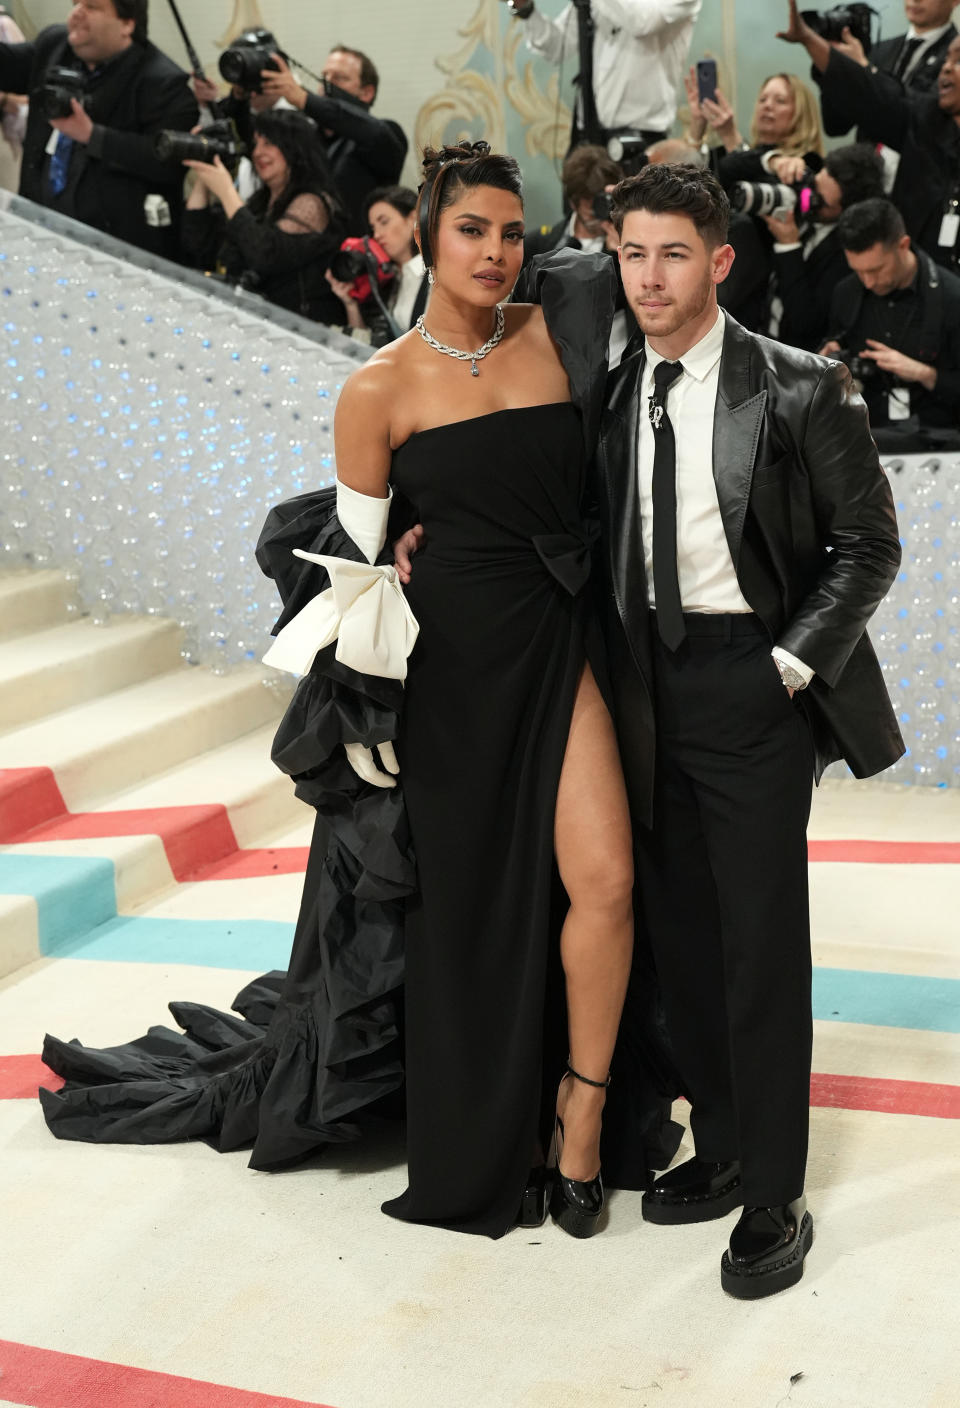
(55, 94)
(359, 260)
(762, 198)
(243, 63)
(219, 139)
(830, 24)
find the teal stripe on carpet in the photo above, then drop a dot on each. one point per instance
(254, 944)
(886, 999)
(73, 893)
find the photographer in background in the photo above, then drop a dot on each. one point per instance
(914, 59)
(585, 175)
(113, 90)
(896, 322)
(391, 223)
(808, 258)
(363, 151)
(923, 128)
(280, 242)
(241, 105)
(637, 52)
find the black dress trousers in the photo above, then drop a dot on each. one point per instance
(723, 879)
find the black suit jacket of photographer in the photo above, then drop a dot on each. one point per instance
(923, 322)
(805, 286)
(796, 474)
(140, 93)
(927, 139)
(884, 57)
(363, 151)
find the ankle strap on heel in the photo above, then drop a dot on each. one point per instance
(598, 1084)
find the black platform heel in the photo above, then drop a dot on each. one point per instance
(576, 1206)
(533, 1203)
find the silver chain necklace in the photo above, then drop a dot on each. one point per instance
(472, 357)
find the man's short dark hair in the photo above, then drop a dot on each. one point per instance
(586, 171)
(858, 171)
(676, 190)
(868, 223)
(135, 10)
(369, 77)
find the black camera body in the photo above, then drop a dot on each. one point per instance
(602, 206)
(866, 374)
(219, 139)
(243, 63)
(830, 24)
(55, 94)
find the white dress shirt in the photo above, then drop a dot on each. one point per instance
(408, 286)
(708, 579)
(640, 50)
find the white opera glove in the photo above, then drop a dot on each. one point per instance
(364, 518)
(364, 764)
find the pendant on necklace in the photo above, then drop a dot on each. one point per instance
(474, 369)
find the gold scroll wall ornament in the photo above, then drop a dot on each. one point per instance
(246, 15)
(470, 105)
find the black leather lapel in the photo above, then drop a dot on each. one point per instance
(737, 423)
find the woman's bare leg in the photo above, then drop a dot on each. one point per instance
(595, 856)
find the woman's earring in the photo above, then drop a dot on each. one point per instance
(430, 279)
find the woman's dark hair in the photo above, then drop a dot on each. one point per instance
(135, 10)
(298, 140)
(676, 190)
(400, 197)
(452, 169)
(858, 171)
(868, 223)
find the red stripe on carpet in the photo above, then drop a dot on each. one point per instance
(886, 852)
(889, 1097)
(245, 865)
(44, 1378)
(193, 837)
(20, 1079)
(28, 797)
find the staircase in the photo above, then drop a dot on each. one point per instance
(125, 777)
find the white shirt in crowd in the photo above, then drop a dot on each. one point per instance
(708, 579)
(407, 287)
(640, 51)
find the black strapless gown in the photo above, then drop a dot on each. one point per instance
(499, 592)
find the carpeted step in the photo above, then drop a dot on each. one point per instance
(57, 667)
(31, 600)
(98, 748)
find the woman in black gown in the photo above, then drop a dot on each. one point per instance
(510, 777)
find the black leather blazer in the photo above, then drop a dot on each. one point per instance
(812, 531)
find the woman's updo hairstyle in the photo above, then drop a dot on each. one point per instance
(451, 169)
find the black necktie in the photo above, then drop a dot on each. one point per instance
(910, 47)
(666, 581)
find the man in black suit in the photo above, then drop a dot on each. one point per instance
(750, 535)
(98, 164)
(913, 59)
(923, 128)
(364, 151)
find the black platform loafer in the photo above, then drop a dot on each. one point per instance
(693, 1192)
(767, 1248)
